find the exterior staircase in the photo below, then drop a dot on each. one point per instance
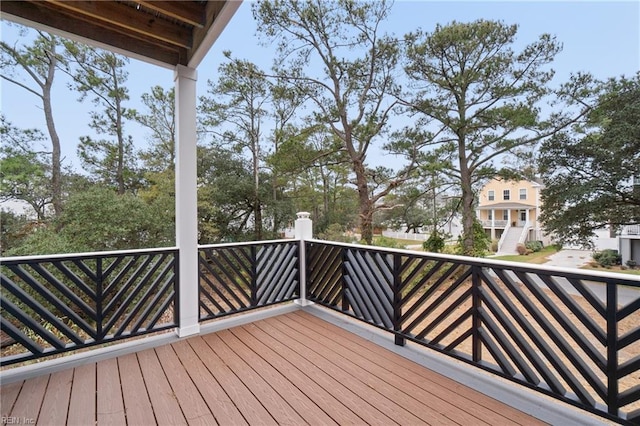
(510, 241)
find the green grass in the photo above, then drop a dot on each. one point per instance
(616, 269)
(538, 258)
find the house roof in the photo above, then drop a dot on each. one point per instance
(507, 206)
(167, 33)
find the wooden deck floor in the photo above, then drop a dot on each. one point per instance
(291, 369)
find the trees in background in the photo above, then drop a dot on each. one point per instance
(235, 111)
(39, 61)
(302, 136)
(479, 100)
(24, 173)
(336, 54)
(592, 170)
(102, 76)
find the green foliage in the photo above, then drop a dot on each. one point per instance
(387, 242)
(45, 239)
(631, 263)
(98, 219)
(591, 171)
(482, 97)
(534, 246)
(337, 55)
(607, 258)
(435, 243)
(13, 230)
(481, 242)
(24, 171)
(160, 119)
(102, 75)
(335, 232)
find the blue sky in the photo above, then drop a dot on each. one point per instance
(598, 37)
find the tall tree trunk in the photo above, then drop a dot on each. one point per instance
(56, 166)
(120, 168)
(364, 201)
(468, 213)
(257, 208)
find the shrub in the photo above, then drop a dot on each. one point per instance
(521, 249)
(434, 244)
(631, 263)
(481, 241)
(494, 245)
(335, 232)
(534, 245)
(386, 242)
(607, 258)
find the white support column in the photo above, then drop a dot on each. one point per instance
(303, 231)
(187, 198)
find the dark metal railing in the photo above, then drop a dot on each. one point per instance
(238, 277)
(53, 304)
(570, 334)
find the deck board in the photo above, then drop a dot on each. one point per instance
(137, 405)
(300, 402)
(29, 401)
(250, 407)
(219, 403)
(110, 404)
(8, 397)
(193, 405)
(290, 369)
(359, 406)
(164, 403)
(467, 399)
(55, 405)
(82, 406)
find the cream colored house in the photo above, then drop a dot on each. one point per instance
(509, 211)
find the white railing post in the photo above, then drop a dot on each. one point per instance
(303, 231)
(187, 199)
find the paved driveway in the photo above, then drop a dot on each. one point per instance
(570, 258)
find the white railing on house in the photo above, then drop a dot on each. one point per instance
(525, 232)
(405, 236)
(631, 230)
(503, 236)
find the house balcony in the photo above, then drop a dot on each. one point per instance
(631, 230)
(498, 224)
(310, 331)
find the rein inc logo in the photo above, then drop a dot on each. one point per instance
(15, 420)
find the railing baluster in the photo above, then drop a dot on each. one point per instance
(99, 298)
(397, 299)
(343, 282)
(612, 349)
(476, 319)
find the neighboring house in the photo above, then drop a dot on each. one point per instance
(509, 212)
(629, 244)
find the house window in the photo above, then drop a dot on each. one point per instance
(490, 215)
(505, 214)
(492, 195)
(506, 195)
(523, 193)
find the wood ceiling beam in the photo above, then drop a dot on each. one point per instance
(213, 9)
(38, 13)
(133, 21)
(188, 12)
